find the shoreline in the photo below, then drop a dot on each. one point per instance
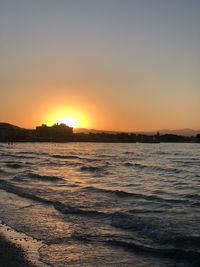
(12, 255)
(18, 250)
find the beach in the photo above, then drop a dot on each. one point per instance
(12, 255)
(18, 249)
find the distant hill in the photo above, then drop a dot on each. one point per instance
(183, 132)
(8, 126)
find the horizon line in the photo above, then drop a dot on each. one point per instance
(104, 130)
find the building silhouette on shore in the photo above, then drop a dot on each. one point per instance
(43, 133)
(57, 131)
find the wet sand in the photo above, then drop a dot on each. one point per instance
(12, 255)
(18, 249)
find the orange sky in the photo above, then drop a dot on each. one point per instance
(123, 66)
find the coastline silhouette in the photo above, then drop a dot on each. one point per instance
(62, 133)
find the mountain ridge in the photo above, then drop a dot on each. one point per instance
(184, 131)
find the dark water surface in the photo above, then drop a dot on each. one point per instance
(105, 204)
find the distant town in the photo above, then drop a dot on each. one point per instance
(62, 133)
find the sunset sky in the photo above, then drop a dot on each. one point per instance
(123, 65)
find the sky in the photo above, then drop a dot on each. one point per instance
(123, 65)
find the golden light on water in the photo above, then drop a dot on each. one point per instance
(69, 116)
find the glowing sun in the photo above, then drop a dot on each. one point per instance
(70, 116)
(72, 122)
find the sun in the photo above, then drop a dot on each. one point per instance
(72, 122)
(72, 117)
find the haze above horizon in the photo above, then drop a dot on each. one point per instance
(115, 65)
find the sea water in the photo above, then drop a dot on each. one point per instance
(95, 204)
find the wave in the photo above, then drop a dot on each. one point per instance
(93, 169)
(125, 194)
(151, 167)
(129, 153)
(32, 152)
(62, 163)
(43, 177)
(195, 204)
(36, 176)
(186, 240)
(66, 157)
(16, 156)
(67, 209)
(106, 156)
(136, 165)
(14, 165)
(128, 164)
(145, 211)
(155, 229)
(161, 152)
(125, 221)
(2, 171)
(173, 253)
(8, 187)
(187, 162)
(192, 196)
(63, 208)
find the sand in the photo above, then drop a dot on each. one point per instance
(12, 255)
(18, 249)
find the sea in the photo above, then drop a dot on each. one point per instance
(104, 204)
